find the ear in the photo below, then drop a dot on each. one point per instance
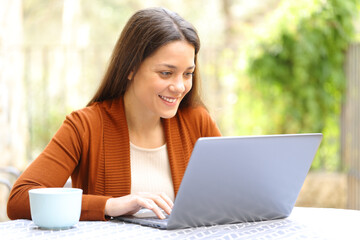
(130, 76)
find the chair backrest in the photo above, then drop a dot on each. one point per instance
(12, 174)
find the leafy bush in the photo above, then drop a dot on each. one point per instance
(298, 71)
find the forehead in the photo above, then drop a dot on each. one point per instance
(173, 52)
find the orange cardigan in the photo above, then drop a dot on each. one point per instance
(93, 147)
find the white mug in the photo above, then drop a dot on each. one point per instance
(55, 208)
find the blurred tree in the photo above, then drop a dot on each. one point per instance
(12, 108)
(42, 21)
(299, 69)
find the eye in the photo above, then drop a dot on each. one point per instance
(165, 74)
(189, 74)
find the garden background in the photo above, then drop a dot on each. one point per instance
(267, 67)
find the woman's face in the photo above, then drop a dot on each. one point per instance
(163, 79)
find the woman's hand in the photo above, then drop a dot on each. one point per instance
(130, 204)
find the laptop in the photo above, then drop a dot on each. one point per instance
(239, 179)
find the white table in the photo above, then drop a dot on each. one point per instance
(303, 223)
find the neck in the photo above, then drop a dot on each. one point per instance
(145, 130)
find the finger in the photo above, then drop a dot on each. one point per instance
(155, 208)
(161, 202)
(151, 205)
(168, 203)
(167, 199)
(143, 202)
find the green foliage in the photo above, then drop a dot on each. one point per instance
(298, 71)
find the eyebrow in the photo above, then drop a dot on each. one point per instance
(174, 67)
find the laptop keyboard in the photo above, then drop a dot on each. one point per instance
(148, 214)
(157, 220)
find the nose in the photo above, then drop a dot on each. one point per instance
(178, 85)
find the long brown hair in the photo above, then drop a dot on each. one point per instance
(145, 32)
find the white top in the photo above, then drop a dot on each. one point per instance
(150, 170)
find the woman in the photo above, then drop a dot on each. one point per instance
(129, 148)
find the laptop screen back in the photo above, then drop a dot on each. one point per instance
(240, 179)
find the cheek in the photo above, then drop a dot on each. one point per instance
(145, 84)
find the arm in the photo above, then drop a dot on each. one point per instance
(52, 169)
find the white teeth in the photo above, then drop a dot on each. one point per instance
(170, 100)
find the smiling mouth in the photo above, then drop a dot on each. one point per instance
(167, 99)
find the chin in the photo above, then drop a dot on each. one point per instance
(168, 114)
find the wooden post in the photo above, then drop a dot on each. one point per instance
(350, 130)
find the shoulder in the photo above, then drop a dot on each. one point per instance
(97, 110)
(108, 113)
(85, 118)
(91, 112)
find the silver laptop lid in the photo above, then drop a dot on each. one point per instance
(240, 179)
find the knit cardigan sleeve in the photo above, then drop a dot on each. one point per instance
(61, 158)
